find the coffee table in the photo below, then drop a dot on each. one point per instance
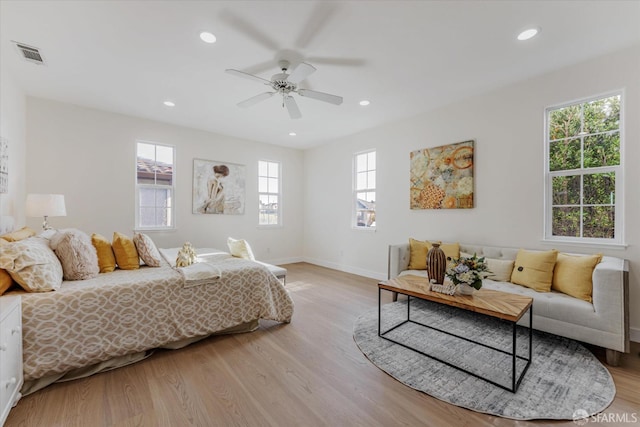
(501, 305)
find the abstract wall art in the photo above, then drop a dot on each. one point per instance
(218, 187)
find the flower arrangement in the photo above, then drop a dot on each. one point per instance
(468, 270)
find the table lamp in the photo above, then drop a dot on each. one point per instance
(45, 205)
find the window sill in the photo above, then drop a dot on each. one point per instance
(369, 229)
(603, 245)
(155, 230)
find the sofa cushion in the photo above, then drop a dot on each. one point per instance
(573, 275)
(32, 264)
(534, 269)
(77, 255)
(147, 250)
(125, 251)
(419, 249)
(106, 258)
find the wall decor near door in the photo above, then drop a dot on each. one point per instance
(4, 165)
(442, 177)
(218, 187)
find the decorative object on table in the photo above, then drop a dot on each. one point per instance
(560, 367)
(436, 264)
(4, 165)
(186, 256)
(468, 272)
(218, 187)
(442, 177)
(45, 205)
(446, 288)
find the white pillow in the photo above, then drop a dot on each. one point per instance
(147, 250)
(240, 248)
(32, 264)
(500, 269)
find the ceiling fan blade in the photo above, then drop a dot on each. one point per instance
(292, 107)
(344, 62)
(249, 30)
(255, 99)
(319, 18)
(247, 76)
(302, 71)
(321, 96)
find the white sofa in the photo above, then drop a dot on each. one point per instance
(604, 323)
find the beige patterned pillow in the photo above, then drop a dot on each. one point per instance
(147, 250)
(77, 255)
(32, 264)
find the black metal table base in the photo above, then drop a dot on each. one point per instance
(515, 378)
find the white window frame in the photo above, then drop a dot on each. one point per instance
(618, 170)
(356, 191)
(138, 187)
(267, 193)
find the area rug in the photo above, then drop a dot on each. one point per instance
(564, 380)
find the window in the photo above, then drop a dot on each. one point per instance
(365, 189)
(269, 193)
(155, 186)
(584, 171)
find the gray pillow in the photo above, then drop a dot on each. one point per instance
(76, 253)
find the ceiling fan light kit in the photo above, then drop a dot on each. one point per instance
(285, 84)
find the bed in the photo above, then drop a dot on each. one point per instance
(88, 326)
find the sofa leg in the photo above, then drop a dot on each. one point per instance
(395, 296)
(613, 357)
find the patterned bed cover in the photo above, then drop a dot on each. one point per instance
(128, 311)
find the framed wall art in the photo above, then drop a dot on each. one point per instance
(442, 177)
(218, 187)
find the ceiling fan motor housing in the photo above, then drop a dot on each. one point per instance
(280, 84)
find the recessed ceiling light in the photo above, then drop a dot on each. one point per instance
(169, 104)
(292, 134)
(528, 33)
(365, 102)
(207, 37)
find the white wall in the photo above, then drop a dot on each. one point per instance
(89, 156)
(508, 128)
(12, 127)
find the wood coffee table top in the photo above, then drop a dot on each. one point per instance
(498, 304)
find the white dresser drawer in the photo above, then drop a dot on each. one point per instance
(10, 354)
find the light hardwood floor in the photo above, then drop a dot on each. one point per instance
(306, 373)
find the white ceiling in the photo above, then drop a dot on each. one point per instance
(407, 57)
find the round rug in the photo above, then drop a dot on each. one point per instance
(564, 381)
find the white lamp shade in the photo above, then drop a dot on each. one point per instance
(40, 205)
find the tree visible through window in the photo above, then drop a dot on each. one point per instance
(269, 192)
(584, 170)
(154, 186)
(365, 189)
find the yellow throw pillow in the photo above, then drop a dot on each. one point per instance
(534, 269)
(16, 236)
(106, 258)
(451, 250)
(5, 281)
(418, 255)
(125, 252)
(572, 275)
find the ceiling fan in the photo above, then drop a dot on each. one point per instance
(285, 85)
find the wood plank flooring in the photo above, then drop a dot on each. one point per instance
(307, 373)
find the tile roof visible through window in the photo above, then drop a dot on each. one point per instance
(149, 169)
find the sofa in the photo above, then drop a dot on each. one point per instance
(603, 322)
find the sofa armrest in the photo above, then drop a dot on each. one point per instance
(398, 259)
(611, 296)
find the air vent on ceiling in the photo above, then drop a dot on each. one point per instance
(29, 53)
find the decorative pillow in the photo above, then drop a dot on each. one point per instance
(240, 248)
(32, 264)
(419, 249)
(77, 255)
(106, 258)
(125, 252)
(16, 236)
(534, 269)
(500, 269)
(147, 250)
(5, 281)
(572, 275)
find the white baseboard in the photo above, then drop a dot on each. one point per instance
(634, 334)
(281, 261)
(347, 268)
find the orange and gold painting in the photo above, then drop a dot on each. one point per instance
(442, 177)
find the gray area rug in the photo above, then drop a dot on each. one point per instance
(563, 380)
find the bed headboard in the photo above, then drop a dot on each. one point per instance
(7, 224)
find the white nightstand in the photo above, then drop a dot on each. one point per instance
(10, 354)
